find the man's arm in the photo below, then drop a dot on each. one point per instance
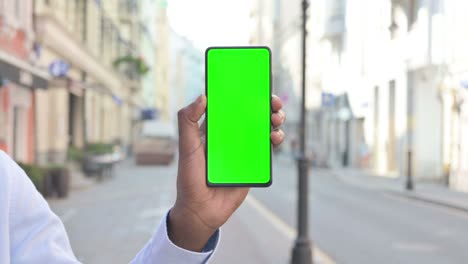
(187, 235)
(200, 210)
(160, 249)
(36, 234)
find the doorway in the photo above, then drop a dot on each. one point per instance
(19, 134)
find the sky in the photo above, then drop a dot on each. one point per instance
(211, 22)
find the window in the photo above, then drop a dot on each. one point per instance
(412, 12)
(438, 7)
(80, 18)
(13, 12)
(17, 10)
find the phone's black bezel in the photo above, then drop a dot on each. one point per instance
(208, 183)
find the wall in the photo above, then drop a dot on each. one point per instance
(147, 42)
(17, 102)
(427, 128)
(163, 32)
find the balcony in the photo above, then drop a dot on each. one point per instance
(128, 11)
(133, 68)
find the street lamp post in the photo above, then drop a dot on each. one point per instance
(409, 177)
(409, 167)
(302, 252)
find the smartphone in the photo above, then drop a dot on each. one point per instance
(238, 114)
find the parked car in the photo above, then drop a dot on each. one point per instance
(157, 144)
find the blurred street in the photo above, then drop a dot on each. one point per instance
(89, 89)
(357, 223)
(352, 223)
(118, 217)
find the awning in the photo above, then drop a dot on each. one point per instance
(22, 73)
(149, 114)
(74, 87)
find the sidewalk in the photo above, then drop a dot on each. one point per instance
(78, 180)
(423, 191)
(254, 234)
(139, 196)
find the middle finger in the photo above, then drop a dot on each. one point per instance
(278, 118)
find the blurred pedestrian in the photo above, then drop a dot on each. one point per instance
(189, 233)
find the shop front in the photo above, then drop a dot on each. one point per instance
(459, 139)
(18, 80)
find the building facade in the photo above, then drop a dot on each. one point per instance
(90, 98)
(148, 11)
(163, 35)
(187, 79)
(20, 80)
(390, 80)
(399, 65)
(449, 51)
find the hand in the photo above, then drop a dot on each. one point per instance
(199, 210)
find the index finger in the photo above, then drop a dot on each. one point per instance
(276, 103)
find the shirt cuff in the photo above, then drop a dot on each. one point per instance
(160, 249)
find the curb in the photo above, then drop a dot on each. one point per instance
(413, 195)
(429, 200)
(80, 182)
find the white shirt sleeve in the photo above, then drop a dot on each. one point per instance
(160, 249)
(36, 234)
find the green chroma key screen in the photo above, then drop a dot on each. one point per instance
(238, 90)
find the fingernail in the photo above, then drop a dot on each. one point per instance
(199, 99)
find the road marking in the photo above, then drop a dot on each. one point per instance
(283, 227)
(68, 215)
(416, 247)
(273, 218)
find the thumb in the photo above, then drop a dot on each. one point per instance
(189, 131)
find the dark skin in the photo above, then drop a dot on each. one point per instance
(199, 210)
